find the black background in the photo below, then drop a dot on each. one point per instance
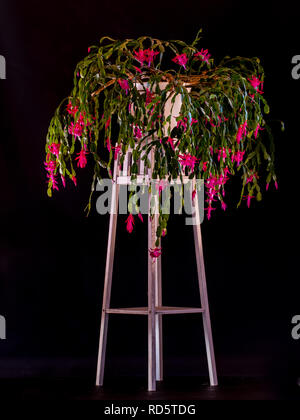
(52, 258)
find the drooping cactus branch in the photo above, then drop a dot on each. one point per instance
(221, 130)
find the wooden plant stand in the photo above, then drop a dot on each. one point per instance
(155, 309)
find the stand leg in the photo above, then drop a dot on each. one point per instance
(108, 278)
(158, 317)
(204, 299)
(152, 268)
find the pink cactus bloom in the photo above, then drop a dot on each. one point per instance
(222, 153)
(258, 128)
(267, 186)
(256, 83)
(181, 59)
(223, 205)
(129, 223)
(149, 96)
(155, 253)
(75, 129)
(117, 149)
(251, 177)
(146, 56)
(50, 168)
(182, 123)
(203, 55)
(124, 85)
(150, 55)
(276, 185)
(226, 172)
(171, 143)
(248, 198)
(187, 160)
(81, 157)
(74, 180)
(204, 166)
(54, 148)
(107, 124)
(137, 132)
(193, 121)
(72, 110)
(108, 144)
(238, 157)
(63, 180)
(242, 132)
(209, 210)
(140, 216)
(140, 56)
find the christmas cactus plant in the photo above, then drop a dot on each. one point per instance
(221, 130)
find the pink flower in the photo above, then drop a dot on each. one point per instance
(237, 157)
(276, 185)
(71, 109)
(63, 180)
(140, 56)
(140, 216)
(193, 121)
(124, 85)
(251, 177)
(149, 96)
(203, 55)
(150, 55)
(155, 253)
(129, 223)
(108, 145)
(248, 198)
(54, 148)
(137, 132)
(75, 129)
(50, 168)
(187, 160)
(258, 127)
(256, 83)
(82, 161)
(267, 186)
(147, 56)
(183, 123)
(223, 205)
(180, 59)
(204, 166)
(171, 142)
(107, 124)
(74, 180)
(209, 210)
(242, 132)
(117, 149)
(222, 153)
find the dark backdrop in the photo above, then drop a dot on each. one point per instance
(52, 257)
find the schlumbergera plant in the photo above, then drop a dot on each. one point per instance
(221, 129)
